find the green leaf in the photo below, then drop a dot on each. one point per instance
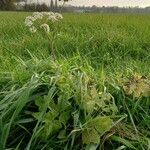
(90, 136)
(56, 126)
(63, 118)
(62, 134)
(53, 106)
(91, 147)
(50, 116)
(95, 128)
(89, 106)
(37, 115)
(50, 128)
(47, 130)
(40, 102)
(101, 124)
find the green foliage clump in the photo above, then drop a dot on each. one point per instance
(93, 95)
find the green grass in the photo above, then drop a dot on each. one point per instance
(77, 100)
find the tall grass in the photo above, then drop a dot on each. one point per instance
(75, 101)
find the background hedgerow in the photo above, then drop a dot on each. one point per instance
(93, 95)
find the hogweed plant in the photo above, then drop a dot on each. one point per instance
(45, 22)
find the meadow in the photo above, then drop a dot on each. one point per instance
(95, 93)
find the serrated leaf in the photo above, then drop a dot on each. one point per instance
(56, 125)
(37, 115)
(101, 124)
(91, 147)
(62, 134)
(52, 106)
(40, 102)
(90, 136)
(105, 96)
(51, 115)
(63, 118)
(95, 128)
(48, 129)
(89, 106)
(93, 92)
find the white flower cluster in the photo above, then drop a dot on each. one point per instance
(39, 16)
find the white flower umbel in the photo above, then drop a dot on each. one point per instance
(29, 21)
(45, 27)
(33, 29)
(58, 16)
(52, 18)
(37, 15)
(42, 20)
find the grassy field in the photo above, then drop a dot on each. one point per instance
(94, 95)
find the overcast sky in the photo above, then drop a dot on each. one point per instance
(141, 3)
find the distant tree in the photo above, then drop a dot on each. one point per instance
(56, 5)
(64, 0)
(51, 5)
(7, 4)
(21, 0)
(41, 7)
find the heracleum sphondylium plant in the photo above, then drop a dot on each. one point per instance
(89, 100)
(44, 21)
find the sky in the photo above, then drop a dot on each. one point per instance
(141, 3)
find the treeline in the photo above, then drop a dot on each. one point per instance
(37, 7)
(7, 5)
(40, 7)
(24, 5)
(115, 9)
